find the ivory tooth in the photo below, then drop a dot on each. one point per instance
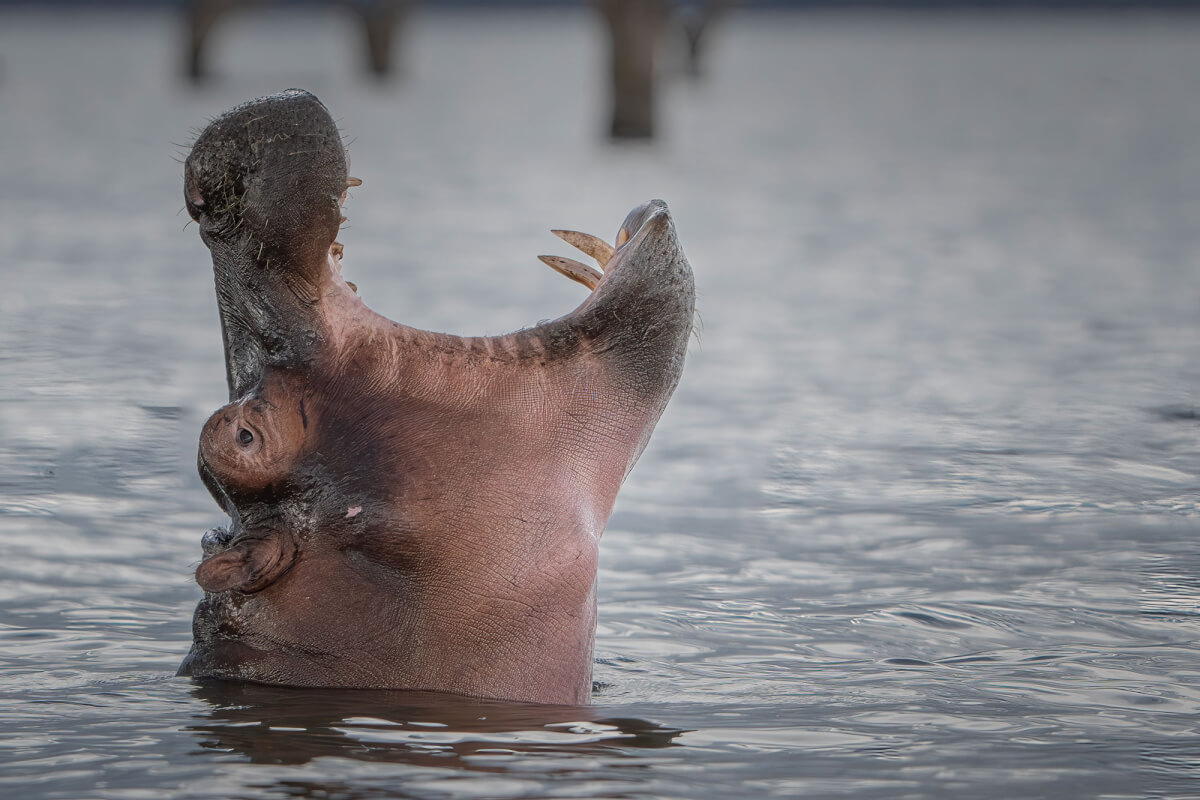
(622, 237)
(352, 286)
(575, 270)
(337, 249)
(594, 246)
(353, 182)
(342, 221)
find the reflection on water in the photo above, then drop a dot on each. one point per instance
(289, 726)
(919, 522)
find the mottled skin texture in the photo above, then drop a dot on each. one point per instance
(409, 509)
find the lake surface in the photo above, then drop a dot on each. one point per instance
(921, 520)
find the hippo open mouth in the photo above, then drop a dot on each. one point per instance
(409, 509)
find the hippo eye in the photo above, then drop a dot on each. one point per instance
(245, 437)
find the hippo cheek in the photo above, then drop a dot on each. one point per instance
(264, 182)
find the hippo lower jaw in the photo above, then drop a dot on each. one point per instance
(409, 509)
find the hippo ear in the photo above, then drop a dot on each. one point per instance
(250, 565)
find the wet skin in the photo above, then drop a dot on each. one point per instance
(409, 510)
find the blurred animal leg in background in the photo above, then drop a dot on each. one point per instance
(635, 27)
(379, 18)
(696, 20)
(200, 16)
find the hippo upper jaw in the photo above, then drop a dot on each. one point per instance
(265, 182)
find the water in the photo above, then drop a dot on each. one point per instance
(920, 521)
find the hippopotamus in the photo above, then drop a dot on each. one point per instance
(409, 509)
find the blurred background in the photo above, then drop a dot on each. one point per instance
(920, 520)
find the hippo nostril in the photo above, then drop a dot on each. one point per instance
(215, 539)
(194, 200)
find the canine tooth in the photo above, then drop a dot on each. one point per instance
(575, 270)
(594, 246)
(622, 237)
(337, 248)
(353, 287)
(342, 221)
(353, 182)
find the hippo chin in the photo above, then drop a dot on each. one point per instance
(409, 510)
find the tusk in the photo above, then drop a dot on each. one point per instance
(594, 246)
(353, 182)
(576, 271)
(352, 286)
(337, 249)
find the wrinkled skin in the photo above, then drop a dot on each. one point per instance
(409, 510)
